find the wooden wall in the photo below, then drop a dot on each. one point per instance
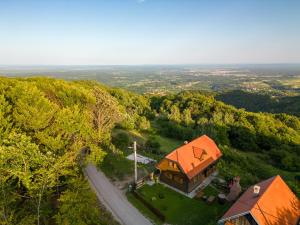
(171, 174)
(242, 220)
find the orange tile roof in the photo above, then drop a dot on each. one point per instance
(196, 155)
(276, 204)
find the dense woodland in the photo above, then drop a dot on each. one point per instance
(255, 145)
(262, 102)
(46, 123)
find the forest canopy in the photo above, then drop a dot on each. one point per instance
(45, 124)
(256, 145)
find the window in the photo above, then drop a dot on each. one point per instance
(174, 165)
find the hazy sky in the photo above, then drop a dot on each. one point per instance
(149, 31)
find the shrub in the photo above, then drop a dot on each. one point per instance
(153, 145)
(142, 123)
(121, 140)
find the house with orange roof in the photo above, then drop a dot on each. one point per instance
(188, 166)
(270, 202)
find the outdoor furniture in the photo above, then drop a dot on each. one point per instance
(210, 199)
(221, 198)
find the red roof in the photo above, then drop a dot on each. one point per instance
(196, 155)
(276, 204)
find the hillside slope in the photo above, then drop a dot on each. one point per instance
(255, 145)
(256, 102)
(45, 123)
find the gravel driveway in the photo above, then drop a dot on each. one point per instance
(114, 199)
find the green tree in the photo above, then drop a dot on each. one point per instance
(5, 118)
(32, 111)
(174, 114)
(142, 123)
(121, 140)
(186, 117)
(37, 172)
(153, 145)
(78, 205)
(106, 111)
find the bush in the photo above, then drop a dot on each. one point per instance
(153, 145)
(115, 165)
(161, 195)
(173, 130)
(142, 123)
(121, 140)
(242, 138)
(127, 123)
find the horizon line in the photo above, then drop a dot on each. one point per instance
(148, 64)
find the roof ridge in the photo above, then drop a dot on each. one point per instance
(267, 188)
(202, 136)
(260, 195)
(185, 155)
(256, 204)
(274, 193)
(190, 143)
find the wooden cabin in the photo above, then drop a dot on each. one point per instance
(269, 202)
(188, 166)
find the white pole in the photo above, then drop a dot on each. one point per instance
(135, 163)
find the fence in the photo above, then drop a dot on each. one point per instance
(150, 206)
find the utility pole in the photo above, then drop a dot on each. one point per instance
(135, 163)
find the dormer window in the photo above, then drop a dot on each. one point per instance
(199, 153)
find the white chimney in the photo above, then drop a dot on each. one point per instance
(256, 189)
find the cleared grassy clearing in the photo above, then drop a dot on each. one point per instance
(166, 144)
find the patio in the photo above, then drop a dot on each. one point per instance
(140, 158)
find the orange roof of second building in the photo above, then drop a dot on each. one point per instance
(196, 155)
(275, 204)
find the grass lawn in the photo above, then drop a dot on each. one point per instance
(137, 203)
(118, 167)
(181, 210)
(269, 170)
(168, 144)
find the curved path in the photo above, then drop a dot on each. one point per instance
(114, 199)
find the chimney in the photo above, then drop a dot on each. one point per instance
(237, 179)
(256, 190)
(185, 142)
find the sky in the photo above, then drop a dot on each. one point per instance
(133, 32)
